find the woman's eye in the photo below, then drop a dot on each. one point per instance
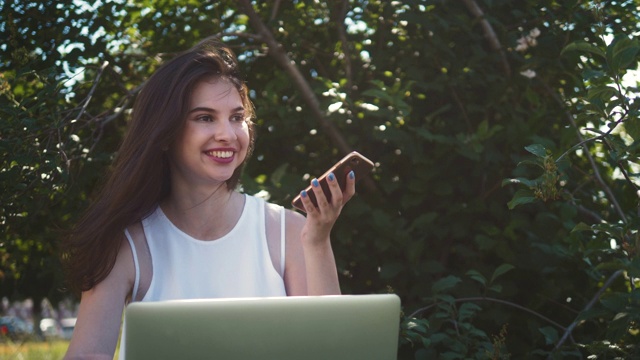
(205, 118)
(237, 118)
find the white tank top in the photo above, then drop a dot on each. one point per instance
(235, 265)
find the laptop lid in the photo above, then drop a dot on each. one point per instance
(310, 327)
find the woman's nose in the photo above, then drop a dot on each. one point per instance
(224, 131)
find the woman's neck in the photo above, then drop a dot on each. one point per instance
(202, 215)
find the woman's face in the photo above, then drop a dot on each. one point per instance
(215, 138)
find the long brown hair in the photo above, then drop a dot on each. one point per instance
(139, 178)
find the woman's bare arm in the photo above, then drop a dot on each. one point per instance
(99, 318)
(311, 255)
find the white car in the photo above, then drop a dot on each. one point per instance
(50, 328)
(67, 325)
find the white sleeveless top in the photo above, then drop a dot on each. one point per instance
(235, 265)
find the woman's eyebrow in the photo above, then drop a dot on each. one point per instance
(214, 111)
(203, 108)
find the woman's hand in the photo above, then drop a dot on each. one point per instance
(320, 219)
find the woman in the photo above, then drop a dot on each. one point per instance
(169, 223)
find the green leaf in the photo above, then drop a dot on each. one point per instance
(613, 230)
(583, 47)
(417, 325)
(537, 150)
(615, 302)
(582, 227)
(445, 284)
(603, 93)
(485, 242)
(524, 181)
(624, 53)
(522, 196)
(446, 299)
(379, 94)
(632, 126)
(467, 311)
(620, 324)
(502, 269)
(276, 176)
(390, 270)
(634, 268)
(424, 220)
(427, 135)
(477, 276)
(550, 334)
(535, 162)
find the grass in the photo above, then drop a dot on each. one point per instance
(33, 350)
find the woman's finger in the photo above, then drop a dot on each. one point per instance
(309, 208)
(350, 186)
(336, 192)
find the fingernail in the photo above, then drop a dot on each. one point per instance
(315, 182)
(332, 177)
(352, 175)
(303, 193)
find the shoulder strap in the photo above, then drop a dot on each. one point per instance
(274, 229)
(141, 258)
(136, 264)
(282, 239)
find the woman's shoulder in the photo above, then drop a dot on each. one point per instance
(273, 214)
(121, 277)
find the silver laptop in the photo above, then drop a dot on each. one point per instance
(309, 327)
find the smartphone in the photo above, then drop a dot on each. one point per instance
(354, 161)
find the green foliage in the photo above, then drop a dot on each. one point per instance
(487, 267)
(606, 111)
(450, 332)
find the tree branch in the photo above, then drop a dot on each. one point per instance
(341, 10)
(274, 10)
(277, 52)
(220, 35)
(580, 144)
(593, 301)
(91, 91)
(594, 166)
(124, 103)
(489, 33)
(499, 301)
(452, 91)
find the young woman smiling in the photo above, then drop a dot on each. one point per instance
(170, 223)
